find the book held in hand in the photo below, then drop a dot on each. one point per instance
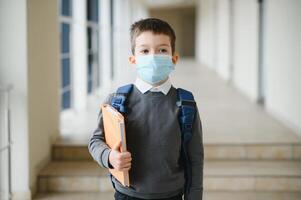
(114, 131)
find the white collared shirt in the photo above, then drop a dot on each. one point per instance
(144, 86)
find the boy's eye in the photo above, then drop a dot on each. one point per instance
(163, 50)
(145, 51)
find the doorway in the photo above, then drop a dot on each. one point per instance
(182, 20)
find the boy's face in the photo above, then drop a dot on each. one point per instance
(149, 43)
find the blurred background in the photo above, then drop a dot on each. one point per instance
(60, 58)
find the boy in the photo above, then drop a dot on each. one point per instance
(152, 126)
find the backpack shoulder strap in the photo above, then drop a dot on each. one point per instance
(119, 99)
(187, 106)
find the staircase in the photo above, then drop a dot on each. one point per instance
(232, 171)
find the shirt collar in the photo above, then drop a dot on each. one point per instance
(144, 86)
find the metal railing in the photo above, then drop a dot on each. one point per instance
(5, 144)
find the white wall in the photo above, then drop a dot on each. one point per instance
(223, 41)
(13, 70)
(206, 40)
(43, 83)
(283, 61)
(198, 31)
(245, 47)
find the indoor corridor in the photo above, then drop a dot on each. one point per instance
(59, 59)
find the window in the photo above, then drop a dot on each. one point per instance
(93, 79)
(66, 61)
(112, 36)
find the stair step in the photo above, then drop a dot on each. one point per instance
(81, 176)
(75, 196)
(206, 196)
(253, 151)
(69, 152)
(253, 176)
(265, 176)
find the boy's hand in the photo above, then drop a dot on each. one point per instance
(120, 160)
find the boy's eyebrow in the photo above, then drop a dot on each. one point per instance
(164, 45)
(142, 45)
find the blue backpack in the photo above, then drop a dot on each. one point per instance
(187, 107)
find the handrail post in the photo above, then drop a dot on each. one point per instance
(7, 120)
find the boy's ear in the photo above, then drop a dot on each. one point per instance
(175, 58)
(132, 60)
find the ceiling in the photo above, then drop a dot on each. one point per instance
(152, 4)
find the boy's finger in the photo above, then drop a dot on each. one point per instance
(126, 154)
(125, 157)
(126, 168)
(126, 165)
(126, 160)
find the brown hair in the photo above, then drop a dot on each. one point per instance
(157, 26)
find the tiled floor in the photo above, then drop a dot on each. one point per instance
(227, 115)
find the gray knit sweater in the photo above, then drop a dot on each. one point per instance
(154, 139)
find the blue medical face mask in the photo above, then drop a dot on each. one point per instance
(154, 68)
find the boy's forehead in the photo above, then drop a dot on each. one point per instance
(150, 38)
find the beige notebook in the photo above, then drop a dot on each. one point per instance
(114, 131)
